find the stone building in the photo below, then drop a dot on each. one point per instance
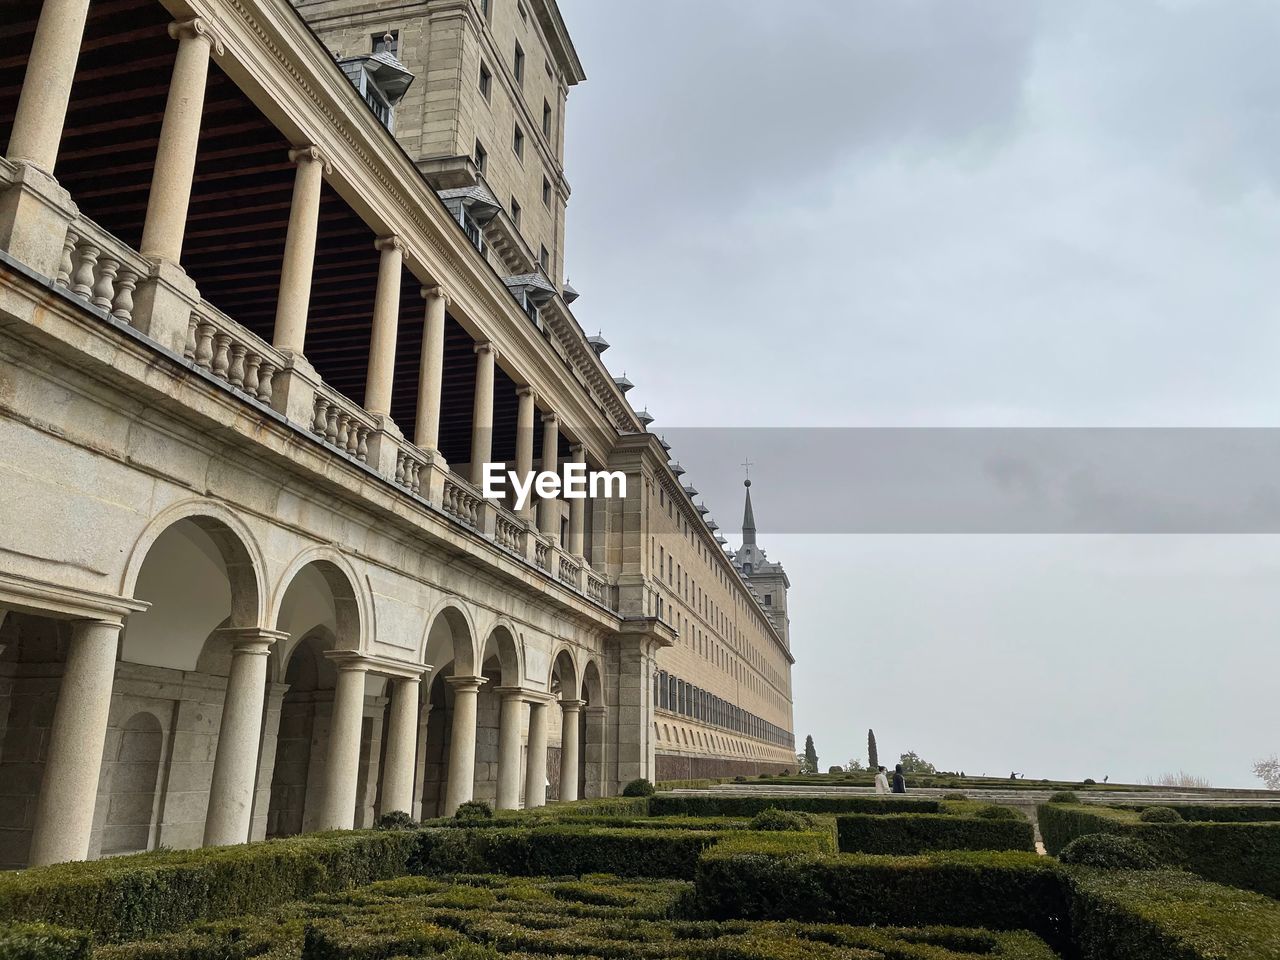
(265, 313)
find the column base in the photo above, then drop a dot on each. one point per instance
(35, 212)
(163, 305)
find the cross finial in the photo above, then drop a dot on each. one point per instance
(746, 466)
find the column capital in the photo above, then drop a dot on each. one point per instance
(392, 242)
(511, 693)
(196, 27)
(486, 346)
(436, 292)
(256, 641)
(572, 706)
(525, 390)
(466, 684)
(576, 450)
(381, 666)
(310, 153)
(551, 418)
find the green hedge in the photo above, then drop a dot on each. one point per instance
(907, 833)
(128, 898)
(39, 941)
(1169, 915)
(998, 890)
(716, 806)
(562, 851)
(1245, 855)
(1216, 813)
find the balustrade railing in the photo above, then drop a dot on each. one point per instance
(542, 555)
(409, 466)
(568, 572)
(341, 423)
(230, 352)
(596, 586)
(507, 531)
(100, 269)
(462, 501)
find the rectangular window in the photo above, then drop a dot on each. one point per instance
(486, 81)
(546, 193)
(517, 141)
(518, 64)
(481, 158)
(380, 45)
(515, 211)
(484, 8)
(544, 260)
(546, 118)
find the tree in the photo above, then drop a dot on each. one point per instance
(912, 763)
(873, 759)
(810, 756)
(1179, 779)
(854, 766)
(1268, 771)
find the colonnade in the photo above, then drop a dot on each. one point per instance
(69, 789)
(39, 120)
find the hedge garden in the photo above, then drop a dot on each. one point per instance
(714, 878)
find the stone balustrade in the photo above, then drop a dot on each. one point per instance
(542, 555)
(568, 571)
(99, 269)
(341, 423)
(409, 467)
(596, 586)
(462, 501)
(221, 346)
(507, 531)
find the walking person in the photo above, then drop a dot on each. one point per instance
(899, 781)
(882, 782)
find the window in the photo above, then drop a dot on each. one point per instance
(484, 8)
(544, 260)
(515, 211)
(482, 158)
(524, 14)
(486, 81)
(546, 118)
(518, 64)
(517, 141)
(546, 192)
(380, 44)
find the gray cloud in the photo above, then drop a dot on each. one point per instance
(981, 213)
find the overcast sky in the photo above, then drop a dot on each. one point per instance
(959, 213)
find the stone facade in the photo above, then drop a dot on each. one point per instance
(250, 361)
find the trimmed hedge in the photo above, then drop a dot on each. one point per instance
(39, 941)
(1245, 855)
(717, 806)
(998, 890)
(129, 898)
(1169, 915)
(562, 851)
(1218, 813)
(920, 832)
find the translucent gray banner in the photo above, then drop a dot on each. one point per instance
(1055, 480)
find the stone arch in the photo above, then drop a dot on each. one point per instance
(245, 561)
(503, 644)
(450, 637)
(593, 682)
(200, 569)
(563, 677)
(133, 780)
(594, 747)
(350, 620)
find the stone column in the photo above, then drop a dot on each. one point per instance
(386, 321)
(570, 710)
(524, 442)
(402, 738)
(299, 250)
(342, 763)
(535, 778)
(482, 412)
(549, 507)
(46, 86)
(69, 789)
(509, 747)
(239, 737)
(462, 742)
(426, 433)
(175, 164)
(577, 511)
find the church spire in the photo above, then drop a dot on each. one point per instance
(748, 519)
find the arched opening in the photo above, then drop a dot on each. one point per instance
(564, 686)
(320, 614)
(199, 576)
(450, 652)
(594, 759)
(131, 775)
(500, 666)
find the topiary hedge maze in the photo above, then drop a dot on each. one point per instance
(642, 877)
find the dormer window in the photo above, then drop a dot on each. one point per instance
(379, 77)
(471, 229)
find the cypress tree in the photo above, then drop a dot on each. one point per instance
(873, 761)
(810, 755)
